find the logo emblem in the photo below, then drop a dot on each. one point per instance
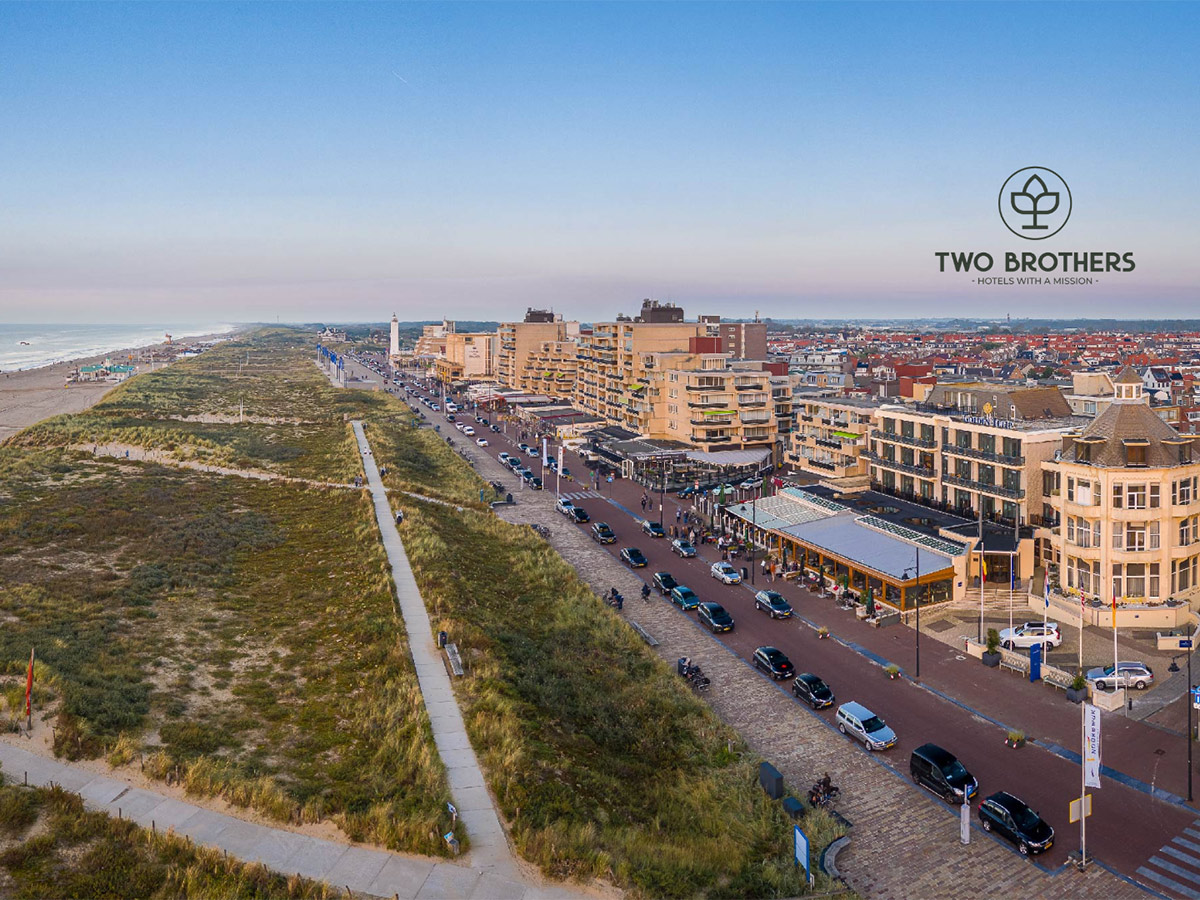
(1035, 203)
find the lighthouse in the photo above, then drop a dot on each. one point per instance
(395, 337)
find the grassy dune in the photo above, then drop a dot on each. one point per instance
(51, 847)
(605, 765)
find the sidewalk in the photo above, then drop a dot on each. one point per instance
(360, 870)
(489, 844)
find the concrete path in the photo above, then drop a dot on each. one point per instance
(489, 844)
(360, 869)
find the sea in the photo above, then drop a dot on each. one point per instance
(33, 346)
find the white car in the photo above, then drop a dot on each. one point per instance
(469, 431)
(1027, 634)
(532, 451)
(725, 573)
(565, 506)
(482, 442)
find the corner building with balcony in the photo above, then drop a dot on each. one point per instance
(1124, 493)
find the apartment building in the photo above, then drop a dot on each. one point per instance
(522, 352)
(468, 356)
(1125, 494)
(706, 401)
(612, 364)
(972, 448)
(551, 368)
(830, 438)
(432, 342)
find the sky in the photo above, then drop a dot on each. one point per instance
(343, 162)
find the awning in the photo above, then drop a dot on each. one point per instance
(848, 435)
(729, 457)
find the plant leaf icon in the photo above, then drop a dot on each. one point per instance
(1027, 205)
(1035, 186)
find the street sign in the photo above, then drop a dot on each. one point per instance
(1185, 643)
(1087, 807)
(1091, 745)
(800, 847)
(1196, 697)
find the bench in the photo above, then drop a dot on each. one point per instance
(1057, 677)
(453, 660)
(644, 634)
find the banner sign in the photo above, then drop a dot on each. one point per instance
(1091, 745)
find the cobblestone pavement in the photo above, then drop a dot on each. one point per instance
(904, 844)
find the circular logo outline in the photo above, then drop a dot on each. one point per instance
(1035, 214)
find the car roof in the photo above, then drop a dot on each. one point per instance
(935, 754)
(712, 606)
(856, 709)
(1008, 801)
(683, 587)
(809, 678)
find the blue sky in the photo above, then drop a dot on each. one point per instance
(347, 161)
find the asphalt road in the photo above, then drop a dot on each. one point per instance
(1128, 825)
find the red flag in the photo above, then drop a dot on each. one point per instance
(29, 686)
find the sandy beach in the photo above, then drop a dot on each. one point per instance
(29, 396)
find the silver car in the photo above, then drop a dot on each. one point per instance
(1127, 674)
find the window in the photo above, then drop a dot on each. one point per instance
(1070, 529)
(1155, 498)
(1071, 489)
(1152, 587)
(1135, 537)
(1012, 447)
(927, 433)
(1135, 454)
(1118, 495)
(1135, 580)
(1135, 496)
(987, 474)
(1152, 535)
(1083, 493)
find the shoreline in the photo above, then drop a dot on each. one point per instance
(29, 396)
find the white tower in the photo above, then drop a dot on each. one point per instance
(395, 336)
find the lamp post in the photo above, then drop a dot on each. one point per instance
(917, 606)
(1186, 644)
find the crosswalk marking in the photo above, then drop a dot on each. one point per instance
(1187, 858)
(1175, 870)
(1191, 845)
(580, 495)
(1168, 883)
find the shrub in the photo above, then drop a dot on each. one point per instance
(993, 640)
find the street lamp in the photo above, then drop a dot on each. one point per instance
(917, 604)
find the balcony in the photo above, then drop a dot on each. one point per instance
(821, 465)
(997, 490)
(899, 466)
(709, 388)
(712, 438)
(826, 442)
(988, 455)
(756, 418)
(713, 422)
(804, 418)
(897, 437)
(712, 403)
(751, 386)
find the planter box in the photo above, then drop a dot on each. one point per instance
(991, 660)
(974, 648)
(1077, 696)
(860, 611)
(1109, 700)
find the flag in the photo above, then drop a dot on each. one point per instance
(29, 686)
(983, 566)
(1047, 597)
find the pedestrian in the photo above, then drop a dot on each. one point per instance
(764, 567)
(678, 514)
(724, 554)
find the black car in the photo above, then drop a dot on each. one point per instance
(940, 771)
(812, 690)
(774, 662)
(653, 529)
(772, 604)
(1015, 820)
(601, 533)
(495, 428)
(714, 616)
(579, 514)
(633, 558)
(665, 582)
(536, 483)
(687, 491)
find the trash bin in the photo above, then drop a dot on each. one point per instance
(508, 498)
(681, 664)
(745, 573)
(442, 637)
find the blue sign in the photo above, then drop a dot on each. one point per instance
(1035, 662)
(800, 845)
(1196, 696)
(1185, 643)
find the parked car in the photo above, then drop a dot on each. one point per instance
(751, 483)
(715, 617)
(536, 483)
(495, 428)
(725, 573)
(523, 447)
(684, 597)
(532, 451)
(1027, 634)
(686, 492)
(527, 476)
(564, 506)
(1127, 674)
(601, 533)
(772, 604)
(812, 690)
(482, 442)
(469, 431)
(665, 582)
(683, 548)
(503, 457)
(774, 662)
(653, 529)
(940, 771)
(860, 723)
(1015, 820)
(565, 473)
(579, 514)
(633, 558)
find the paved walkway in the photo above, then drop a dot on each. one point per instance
(362, 870)
(489, 844)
